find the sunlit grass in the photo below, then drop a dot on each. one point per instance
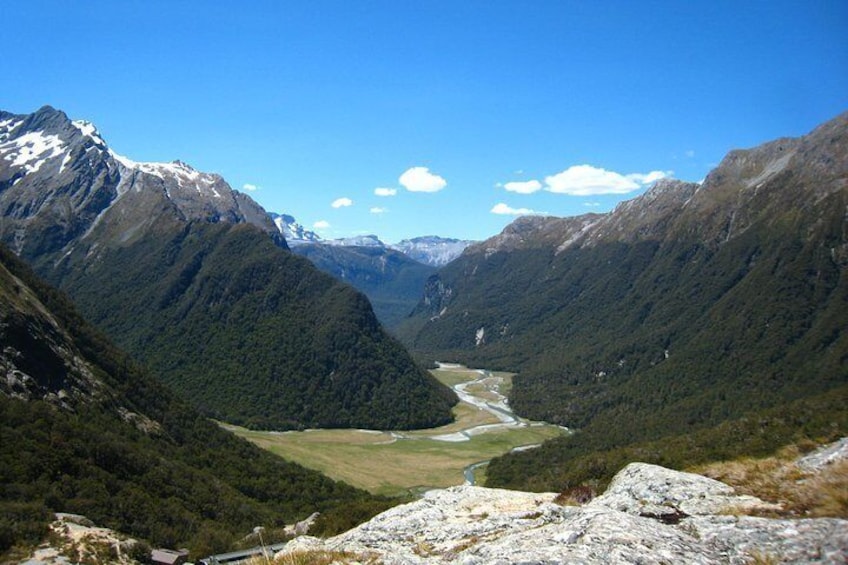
(383, 464)
(779, 480)
(378, 464)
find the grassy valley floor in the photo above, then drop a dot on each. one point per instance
(398, 463)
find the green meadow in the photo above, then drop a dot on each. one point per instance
(401, 463)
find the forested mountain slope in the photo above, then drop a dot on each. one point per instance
(85, 430)
(194, 279)
(688, 306)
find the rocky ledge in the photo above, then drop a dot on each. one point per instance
(649, 514)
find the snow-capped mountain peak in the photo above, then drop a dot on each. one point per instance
(88, 129)
(50, 164)
(294, 233)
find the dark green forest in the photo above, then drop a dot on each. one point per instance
(180, 482)
(249, 333)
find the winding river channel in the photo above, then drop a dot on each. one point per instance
(491, 401)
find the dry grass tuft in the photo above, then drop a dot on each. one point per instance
(323, 557)
(826, 494)
(779, 480)
(758, 558)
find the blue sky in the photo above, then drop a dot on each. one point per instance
(457, 109)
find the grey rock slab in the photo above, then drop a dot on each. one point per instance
(645, 489)
(649, 515)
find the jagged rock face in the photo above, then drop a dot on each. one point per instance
(60, 183)
(39, 359)
(436, 297)
(649, 515)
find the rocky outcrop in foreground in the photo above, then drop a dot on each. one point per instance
(649, 514)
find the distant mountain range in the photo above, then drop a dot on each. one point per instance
(391, 276)
(689, 306)
(195, 280)
(391, 280)
(430, 250)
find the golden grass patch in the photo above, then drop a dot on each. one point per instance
(780, 480)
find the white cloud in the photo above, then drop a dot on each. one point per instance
(649, 178)
(385, 191)
(342, 202)
(523, 187)
(586, 180)
(250, 187)
(420, 179)
(321, 225)
(504, 209)
(690, 153)
(379, 210)
(591, 204)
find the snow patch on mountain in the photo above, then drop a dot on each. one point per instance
(31, 150)
(182, 172)
(65, 161)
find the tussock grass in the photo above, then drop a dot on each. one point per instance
(322, 557)
(759, 558)
(780, 480)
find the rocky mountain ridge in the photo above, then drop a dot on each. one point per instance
(649, 514)
(738, 185)
(59, 176)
